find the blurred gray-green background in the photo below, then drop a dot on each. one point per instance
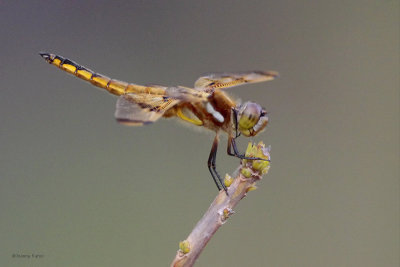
(81, 190)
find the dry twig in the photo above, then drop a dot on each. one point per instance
(221, 208)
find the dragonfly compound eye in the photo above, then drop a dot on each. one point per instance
(248, 117)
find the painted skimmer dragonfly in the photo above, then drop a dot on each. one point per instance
(205, 105)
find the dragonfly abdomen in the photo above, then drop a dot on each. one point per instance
(114, 86)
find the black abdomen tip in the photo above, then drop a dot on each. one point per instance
(44, 55)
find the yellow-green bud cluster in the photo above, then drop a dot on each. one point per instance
(228, 180)
(184, 246)
(261, 165)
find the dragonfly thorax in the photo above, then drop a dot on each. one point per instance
(217, 115)
(251, 118)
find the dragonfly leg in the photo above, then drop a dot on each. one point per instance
(235, 153)
(235, 120)
(212, 167)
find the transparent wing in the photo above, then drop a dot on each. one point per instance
(141, 109)
(186, 94)
(211, 81)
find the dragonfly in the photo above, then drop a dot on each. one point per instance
(206, 105)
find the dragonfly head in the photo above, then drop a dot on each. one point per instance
(251, 119)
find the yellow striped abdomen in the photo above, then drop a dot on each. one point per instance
(115, 87)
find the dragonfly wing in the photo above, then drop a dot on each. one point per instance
(186, 94)
(209, 82)
(142, 109)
